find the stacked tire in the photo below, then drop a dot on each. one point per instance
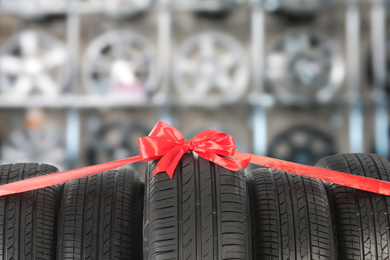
(28, 220)
(295, 217)
(99, 217)
(203, 212)
(290, 217)
(361, 218)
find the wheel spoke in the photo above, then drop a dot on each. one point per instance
(291, 143)
(103, 64)
(10, 64)
(310, 136)
(187, 65)
(227, 61)
(207, 47)
(47, 85)
(304, 42)
(23, 85)
(55, 58)
(120, 49)
(139, 63)
(29, 44)
(223, 82)
(203, 85)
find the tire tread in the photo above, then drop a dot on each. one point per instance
(200, 214)
(290, 216)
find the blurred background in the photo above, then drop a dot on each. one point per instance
(81, 80)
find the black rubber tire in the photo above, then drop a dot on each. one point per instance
(361, 218)
(28, 220)
(101, 217)
(201, 214)
(290, 217)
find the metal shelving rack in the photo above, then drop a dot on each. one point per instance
(378, 39)
(352, 47)
(259, 101)
(258, 96)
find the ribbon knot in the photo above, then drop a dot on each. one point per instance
(189, 145)
(167, 144)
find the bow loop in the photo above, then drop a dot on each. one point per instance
(167, 143)
(220, 143)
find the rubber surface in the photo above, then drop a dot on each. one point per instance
(28, 221)
(290, 217)
(101, 217)
(202, 213)
(361, 218)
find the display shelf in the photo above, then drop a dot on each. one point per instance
(258, 101)
(97, 7)
(111, 101)
(74, 102)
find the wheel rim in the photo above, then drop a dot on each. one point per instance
(213, 65)
(302, 144)
(115, 141)
(34, 61)
(35, 145)
(120, 62)
(302, 67)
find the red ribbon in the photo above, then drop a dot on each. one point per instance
(167, 144)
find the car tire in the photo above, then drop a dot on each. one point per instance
(28, 220)
(361, 218)
(101, 217)
(202, 213)
(290, 217)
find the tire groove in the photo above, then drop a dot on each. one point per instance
(99, 198)
(179, 187)
(214, 210)
(292, 214)
(357, 207)
(6, 210)
(34, 221)
(385, 201)
(83, 224)
(198, 222)
(372, 210)
(307, 215)
(277, 207)
(21, 213)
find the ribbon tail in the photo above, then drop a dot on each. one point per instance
(62, 177)
(341, 178)
(169, 162)
(226, 162)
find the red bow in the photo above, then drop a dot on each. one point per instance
(167, 143)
